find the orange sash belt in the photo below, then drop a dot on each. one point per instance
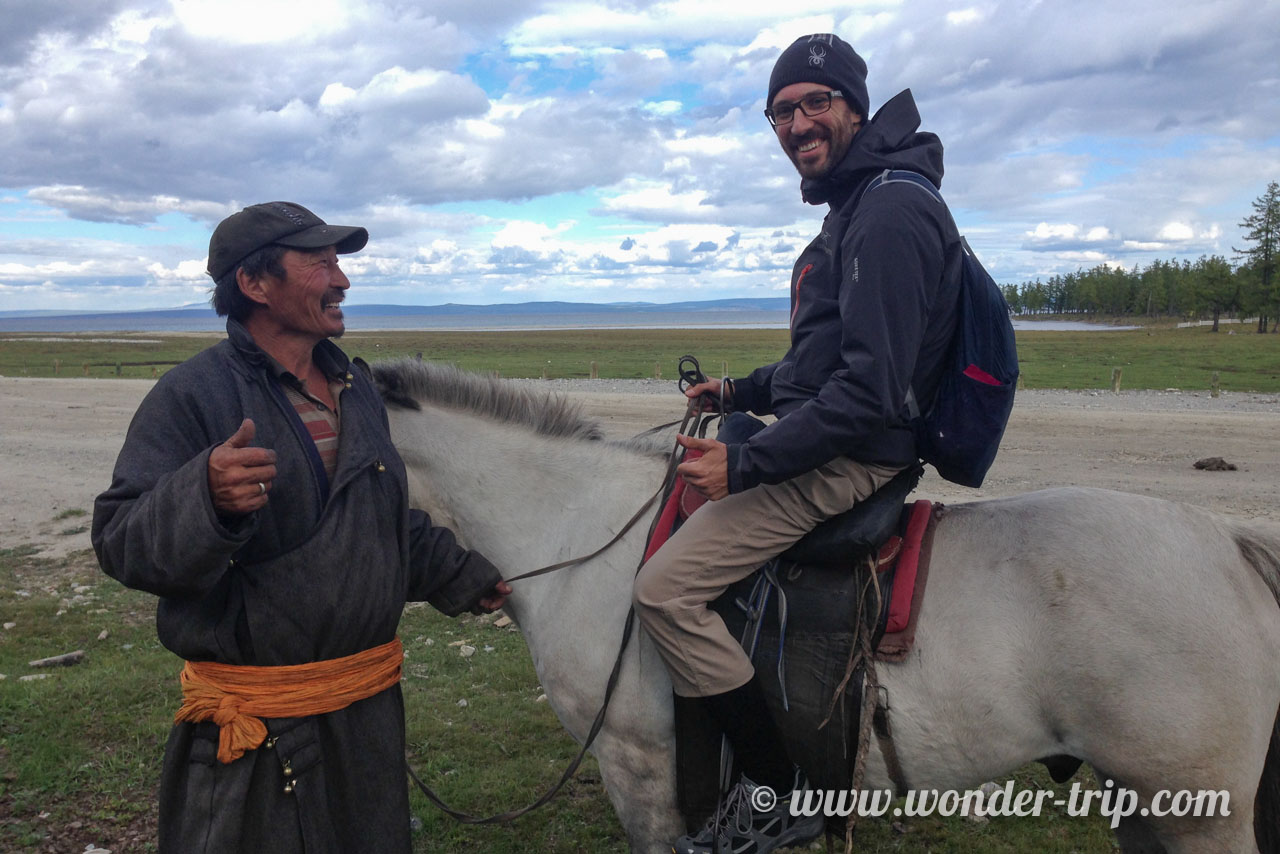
(237, 697)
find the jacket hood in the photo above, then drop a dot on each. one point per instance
(890, 140)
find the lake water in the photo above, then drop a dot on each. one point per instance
(198, 321)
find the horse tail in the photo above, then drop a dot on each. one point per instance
(1261, 550)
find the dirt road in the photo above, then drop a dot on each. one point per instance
(59, 439)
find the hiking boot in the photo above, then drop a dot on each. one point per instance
(742, 824)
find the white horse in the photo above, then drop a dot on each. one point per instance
(1139, 635)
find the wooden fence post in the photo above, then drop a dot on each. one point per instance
(595, 373)
(1214, 388)
(86, 369)
(57, 363)
(657, 370)
(1115, 379)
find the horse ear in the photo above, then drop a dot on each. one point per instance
(389, 380)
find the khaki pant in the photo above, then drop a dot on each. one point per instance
(721, 543)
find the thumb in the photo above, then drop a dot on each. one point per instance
(694, 442)
(243, 436)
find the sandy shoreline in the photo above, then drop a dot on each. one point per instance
(59, 439)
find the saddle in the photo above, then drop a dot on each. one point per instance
(799, 618)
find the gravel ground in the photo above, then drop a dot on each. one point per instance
(59, 439)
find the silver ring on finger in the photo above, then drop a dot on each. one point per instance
(262, 488)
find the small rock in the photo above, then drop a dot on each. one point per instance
(126, 646)
(3, 677)
(81, 588)
(33, 677)
(65, 660)
(430, 642)
(542, 698)
(462, 704)
(102, 635)
(502, 622)
(8, 626)
(1215, 464)
(415, 825)
(94, 849)
(466, 650)
(899, 827)
(488, 648)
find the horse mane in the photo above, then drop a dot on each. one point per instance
(407, 382)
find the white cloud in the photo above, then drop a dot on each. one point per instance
(466, 133)
(261, 21)
(1176, 232)
(962, 17)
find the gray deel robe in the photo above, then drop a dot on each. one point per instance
(323, 571)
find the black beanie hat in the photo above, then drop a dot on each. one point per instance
(822, 58)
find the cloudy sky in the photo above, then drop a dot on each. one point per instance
(515, 150)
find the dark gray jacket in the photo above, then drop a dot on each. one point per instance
(323, 571)
(873, 306)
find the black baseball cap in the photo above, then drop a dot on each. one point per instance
(285, 223)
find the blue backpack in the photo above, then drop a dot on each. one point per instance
(959, 431)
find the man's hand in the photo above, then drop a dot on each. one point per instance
(709, 473)
(240, 476)
(709, 391)
(491, 603)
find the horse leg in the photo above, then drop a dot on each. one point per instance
(1133, 834)
(640, 778)
(1139, 834)
(635, 748)
(1136, 837)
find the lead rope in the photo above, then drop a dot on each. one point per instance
(692, 412)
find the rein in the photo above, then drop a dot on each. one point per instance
(692, 412)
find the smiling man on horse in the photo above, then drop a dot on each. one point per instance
(258, 494)
(873, 308)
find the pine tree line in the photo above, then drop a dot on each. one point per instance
(1209, 287)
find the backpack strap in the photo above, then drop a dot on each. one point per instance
(906, 176)
(903, 176)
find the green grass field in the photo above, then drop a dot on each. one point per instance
(1149, 358)
(80, 749)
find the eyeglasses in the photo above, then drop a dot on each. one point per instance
(813, 104)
